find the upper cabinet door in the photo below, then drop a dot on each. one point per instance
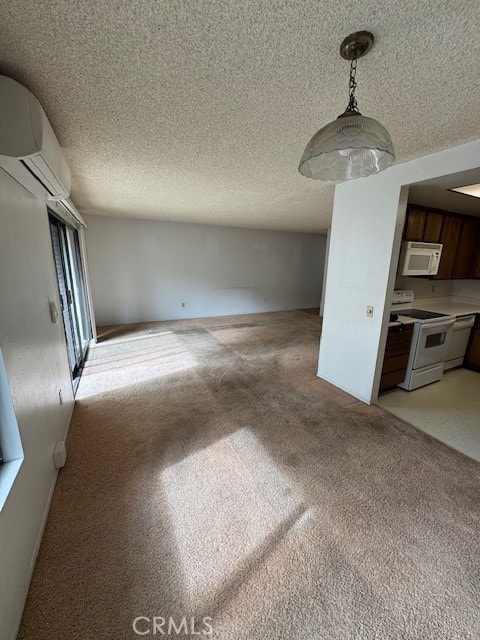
(464, 266)
(433, 227)
(459, 235)
(476, 262)
(415, 224)
(450, 238)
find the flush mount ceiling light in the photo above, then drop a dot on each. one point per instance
(469, 190)
(352, 146)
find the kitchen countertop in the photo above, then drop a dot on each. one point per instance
(453, 306)
(450, 305)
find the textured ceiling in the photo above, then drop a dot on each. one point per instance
(199, 110)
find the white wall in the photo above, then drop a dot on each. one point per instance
(325, 269)
(361, 244)
(467, 289)
(425, 288)
(142, 270)
(36, 364)
(368, 218)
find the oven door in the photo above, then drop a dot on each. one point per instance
(432, 343)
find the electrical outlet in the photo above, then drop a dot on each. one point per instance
(59, 455)
(369, 312)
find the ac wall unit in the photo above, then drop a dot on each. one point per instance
(29, 149)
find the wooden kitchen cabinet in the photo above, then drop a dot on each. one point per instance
(476, 265)
(395, 361)
(476, 257)
(459, 235)
(433, 226)
(415, 224)
(450, 239)
(423, 225)
(465, 264)
(472, 357)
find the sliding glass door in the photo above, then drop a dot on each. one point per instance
(71, 287)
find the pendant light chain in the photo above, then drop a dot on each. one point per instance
(352, 85)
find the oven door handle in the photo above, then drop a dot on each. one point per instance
(437, 327)
(464, 323)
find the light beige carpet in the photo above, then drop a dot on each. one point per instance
(210, 473)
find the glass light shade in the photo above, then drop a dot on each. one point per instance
(352, 146)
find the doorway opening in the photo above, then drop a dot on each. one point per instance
(436, 364)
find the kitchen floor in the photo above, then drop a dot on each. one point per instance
(448, 410)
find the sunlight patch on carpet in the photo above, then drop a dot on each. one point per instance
(229, 504)
(121, 364)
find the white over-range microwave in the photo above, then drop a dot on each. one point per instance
(419, 259)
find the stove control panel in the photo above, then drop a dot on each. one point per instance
(402, 296)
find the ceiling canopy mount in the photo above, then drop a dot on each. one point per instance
(356, 45)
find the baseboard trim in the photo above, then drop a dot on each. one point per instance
(41, 531)
(335, 384)
(36, 549)
(69, 421)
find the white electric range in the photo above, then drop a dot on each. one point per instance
(431, 337)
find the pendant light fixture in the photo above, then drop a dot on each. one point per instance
(352, 146)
